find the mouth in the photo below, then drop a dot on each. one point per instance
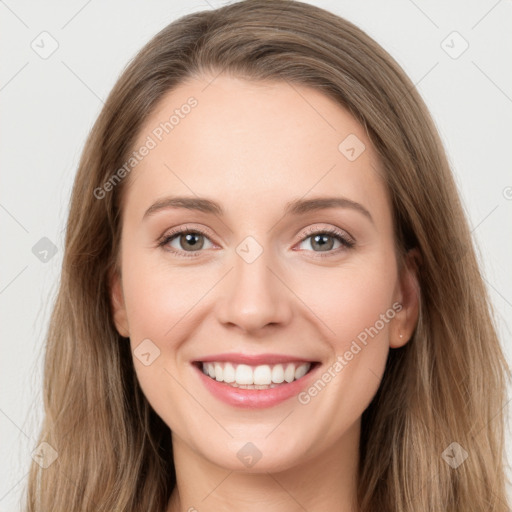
(263, 376)
(248, 382)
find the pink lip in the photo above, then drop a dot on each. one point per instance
(255, 398)
(253, 360)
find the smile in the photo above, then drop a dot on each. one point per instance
(248, 382)
(255, 377)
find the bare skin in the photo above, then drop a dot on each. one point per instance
(253, 148)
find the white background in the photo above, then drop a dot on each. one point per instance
(49, 105)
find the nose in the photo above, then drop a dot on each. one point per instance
(254, 296)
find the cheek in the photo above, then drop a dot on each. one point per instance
(157, 296)
(351, 300)
(160, 302)
(355, 306)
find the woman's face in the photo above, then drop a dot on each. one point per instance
(267, 280)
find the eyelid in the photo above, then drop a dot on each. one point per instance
(185, 228)
(347, 240)
(331, 230)
(308, 231)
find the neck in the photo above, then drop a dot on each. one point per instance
(325, 481)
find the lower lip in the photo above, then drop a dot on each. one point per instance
(255, 398)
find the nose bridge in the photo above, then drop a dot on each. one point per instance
(252, 264)
(254, 296)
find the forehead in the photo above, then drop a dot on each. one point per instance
(251, 143)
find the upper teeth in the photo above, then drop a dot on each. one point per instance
(260, 375)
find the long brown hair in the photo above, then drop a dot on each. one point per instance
(446, 385)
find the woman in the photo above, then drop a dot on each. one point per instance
(269, 296)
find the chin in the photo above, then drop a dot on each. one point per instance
(256, 455)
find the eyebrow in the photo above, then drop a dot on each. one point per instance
(295, 207)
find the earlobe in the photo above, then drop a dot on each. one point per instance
(118, 305)
(409, 296)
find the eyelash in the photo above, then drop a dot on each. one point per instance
(346, 242)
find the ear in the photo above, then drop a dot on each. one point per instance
(408, 295)
(118, 304)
